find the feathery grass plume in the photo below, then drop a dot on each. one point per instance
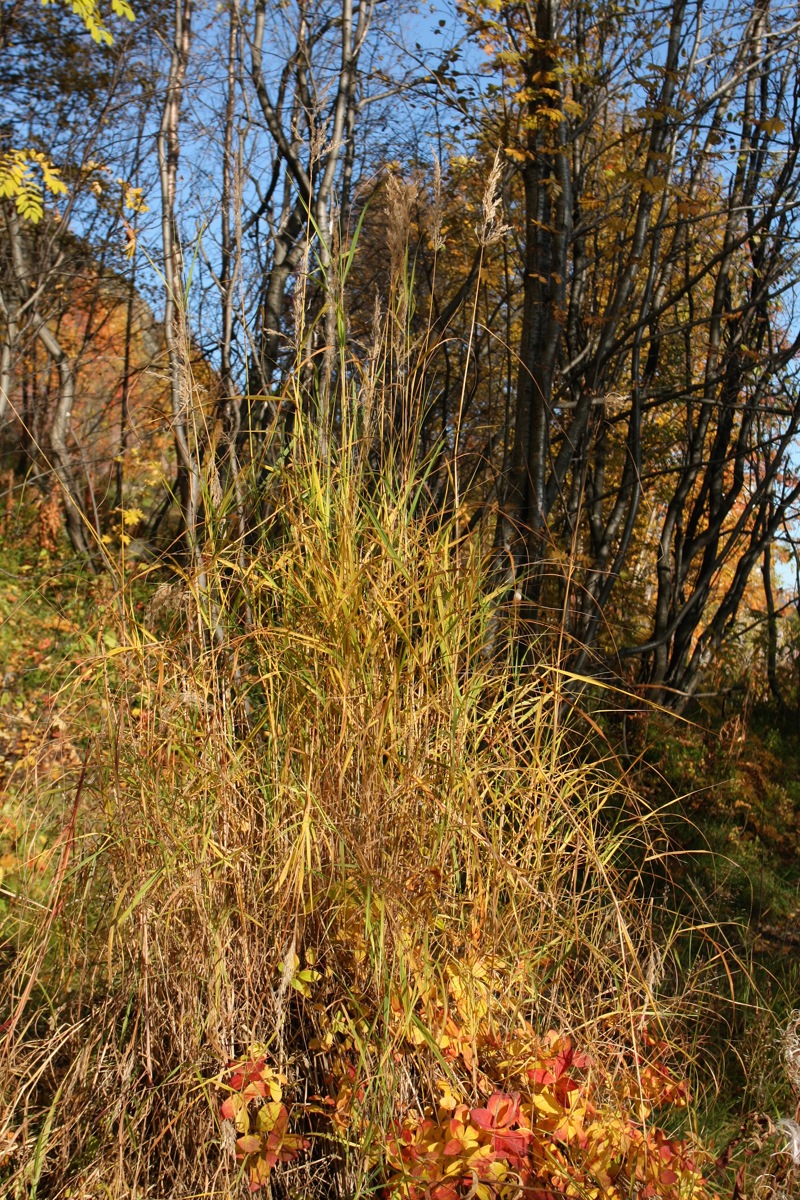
(491, 229)
(791, 1132)
(791, 1050)
(402, 199)
(436, 212)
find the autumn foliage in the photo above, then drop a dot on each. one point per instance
(560, 1126)
(264, 1139)
(544, 1116)
(558, 1135)
(400, 491)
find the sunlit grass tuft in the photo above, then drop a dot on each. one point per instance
(327, 816)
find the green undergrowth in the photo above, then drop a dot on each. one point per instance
(740, 797)
(733, 817)
(57, 626)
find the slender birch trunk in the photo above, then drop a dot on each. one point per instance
(188, 470)
(8, 352)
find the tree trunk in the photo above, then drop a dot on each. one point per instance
(175, 331)
(77, 523)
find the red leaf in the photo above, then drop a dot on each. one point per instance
(249, 1143)
(501, 1112)
(512, 1145)
(249, 1073)
(444, 1191)
(541, 1075)
(563, 1061)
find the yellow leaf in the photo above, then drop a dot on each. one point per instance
(546, 1105)
(773, 125)
(89, 13)
(18, 182)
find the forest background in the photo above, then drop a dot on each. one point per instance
(399, 426)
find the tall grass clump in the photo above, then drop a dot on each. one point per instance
(340, 903)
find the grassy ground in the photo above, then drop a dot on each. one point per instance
(306, 889)
(738, 819)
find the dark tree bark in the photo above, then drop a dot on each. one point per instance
(679, 320)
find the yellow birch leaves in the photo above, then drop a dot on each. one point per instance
(89, 12)
(25, 175)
